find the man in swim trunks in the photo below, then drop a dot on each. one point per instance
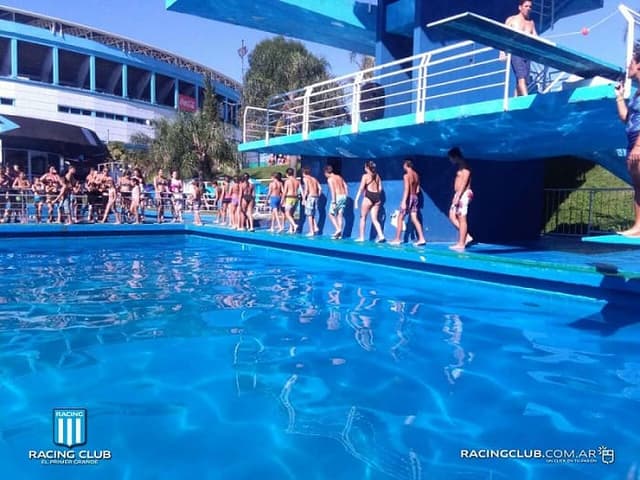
(290, 192)
(311, 195)
(338, 188)
(409, 204)
(274, 197)
(462, 196)
(521, 66)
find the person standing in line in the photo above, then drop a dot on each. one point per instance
(521, 66)
(371, 186)
(630, 115)
(409, 204)
(311, 195)
(196, 203)
(290, 194)
(339, 191)
(136, 198)
(462, 196)
(274, 197)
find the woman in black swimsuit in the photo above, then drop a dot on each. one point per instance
(371, 186)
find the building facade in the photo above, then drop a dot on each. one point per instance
(59, 71)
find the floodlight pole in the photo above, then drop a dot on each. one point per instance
(242, 52)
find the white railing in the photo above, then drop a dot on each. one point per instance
(454, 75)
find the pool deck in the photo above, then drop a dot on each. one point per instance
(597, 270)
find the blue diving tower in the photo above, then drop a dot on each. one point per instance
(442, 79)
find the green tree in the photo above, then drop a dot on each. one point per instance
(279, 70)
(278, 65)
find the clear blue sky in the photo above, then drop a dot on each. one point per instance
(216, 44)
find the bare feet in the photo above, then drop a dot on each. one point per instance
(395, 242)
(419, 244)
(631, 232)
(468, 239)
(457, 247)
(360, 239)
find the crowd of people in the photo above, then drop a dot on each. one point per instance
(63, 198)
(288, 195)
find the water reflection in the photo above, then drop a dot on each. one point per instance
(389, 374)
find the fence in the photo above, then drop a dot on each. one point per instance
(587, 211)
(454, 75)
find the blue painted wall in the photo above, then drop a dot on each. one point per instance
(507, 205)
(508, 195)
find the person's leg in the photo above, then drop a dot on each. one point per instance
(523, 90)
(462, 233)
(375, 213)
(334, 221)
(340, 223)
(634, 171)
(453, 217)
(399, 224)
(250, 208)
(418, 226)
(366, 207)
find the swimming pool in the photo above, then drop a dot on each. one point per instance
(196, 358)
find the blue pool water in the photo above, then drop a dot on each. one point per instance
(210, 360)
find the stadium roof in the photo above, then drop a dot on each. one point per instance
(62, 27)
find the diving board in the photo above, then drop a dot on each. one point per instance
(498, 35)
(613, 240)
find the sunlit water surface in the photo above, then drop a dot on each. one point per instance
(210, 360)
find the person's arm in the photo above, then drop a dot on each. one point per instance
(61, 194)
(405, 191)
(623, 110)
(360, 190)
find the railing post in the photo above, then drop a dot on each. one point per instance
(590, 214)
(266, 133)
(355, 103)
(421, 106)
(623, 9)
(305, 112)
(505, 99)
(244, 125)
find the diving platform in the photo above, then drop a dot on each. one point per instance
(537, 49)
(460, 94)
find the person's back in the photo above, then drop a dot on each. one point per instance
(413, 179)
(338, 184)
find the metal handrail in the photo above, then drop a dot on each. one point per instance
(433, 79)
